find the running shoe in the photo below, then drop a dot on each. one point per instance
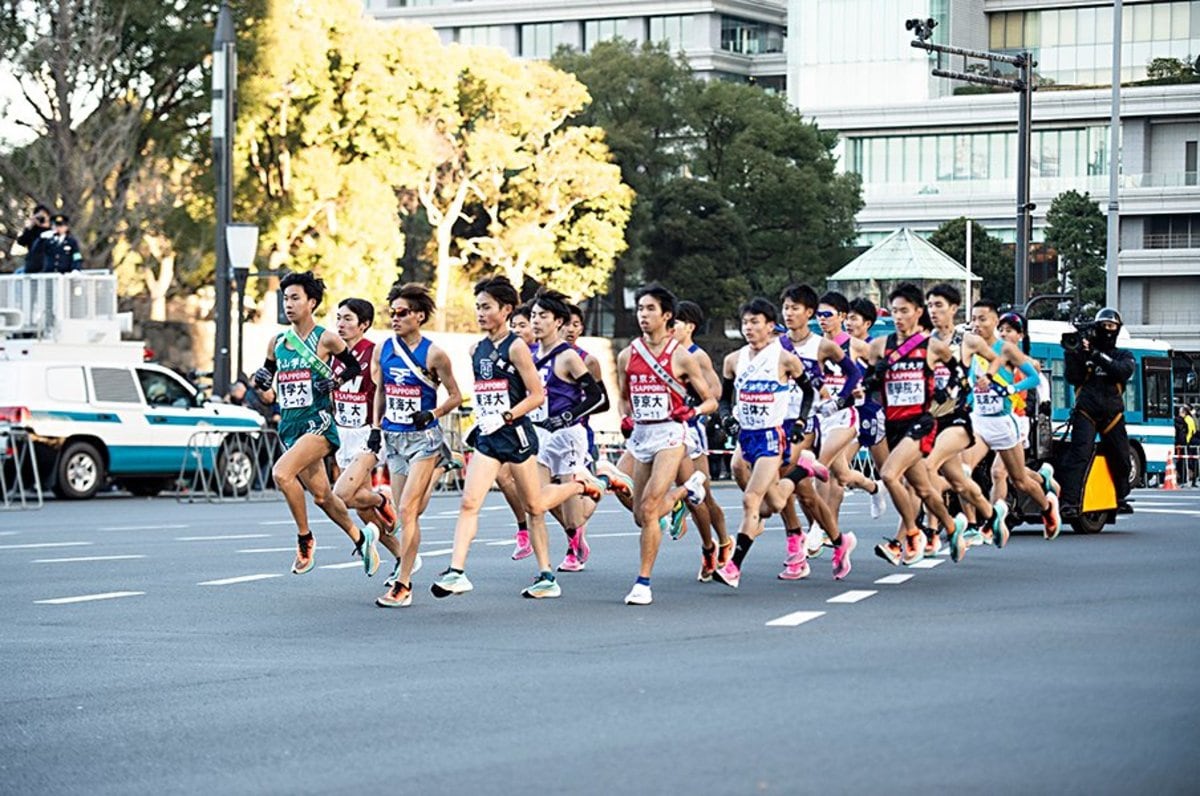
(1050, 520)
(678, 526)
(708, 563)
(583, 550)
(878, 501)
(933, 542)
(370, 551)
(795, 546)
(398, 596)
(524, 549)
(795, 568)
(1000, 532)
(618, 483)
(395, 576)
(958, 539)
(417, 564)
(724, 553)
(639, 595)
(545, 586)
(1046, 471)
(451, 582)
(304, 555)
(593, 487)
(570, 562)
(809, 465)
(387, 512)
(914, 547)
(890, 551)
(974, 536)
(695, 488)
(815, 541)
(841, 555)
(729, 574)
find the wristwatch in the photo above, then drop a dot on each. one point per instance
(508, 418)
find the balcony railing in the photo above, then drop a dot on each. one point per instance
(1161, 179)
(1172, 240)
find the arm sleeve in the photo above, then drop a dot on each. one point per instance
(351, 368)
(853, 377)
(593, 397)
(809, 393)
(725, 405)
(1031, 378)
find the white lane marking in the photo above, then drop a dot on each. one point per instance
(943, 551)
(291, 549)
(226, 538)
(143, 527)
(320, 521)
(1141, 510)
(345, 565)
(927, 563)
(612, 535)
(9, 533)
(87, 598)
(852, 596)
(891, 580)
(84, 558)
(502, 542)
(431, 553)
(241, 579)
(40, 545)
(795, 618)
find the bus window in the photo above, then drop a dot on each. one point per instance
(1059, 399)
(1156, 378)
(1133, 398)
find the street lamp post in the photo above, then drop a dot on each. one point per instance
(241, 244)
(224, 88)
(1023, 83)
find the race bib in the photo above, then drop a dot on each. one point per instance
(491, 397)
(905, 388)
(754, 408)
(650, 402)
(295, 389)
(987, 402)
(350, 409)
(402, 401)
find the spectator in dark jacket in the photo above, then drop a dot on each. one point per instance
(1181, 441)
(61, 252)
(32, 238)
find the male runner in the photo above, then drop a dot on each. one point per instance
(653, 370)
(519, 323)
(507, 389)
(871, 436)
(298, 362)
(1011, 329)
(759, 376)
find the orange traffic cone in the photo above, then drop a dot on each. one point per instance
(1169, 476)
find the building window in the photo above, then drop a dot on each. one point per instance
(1176, 231)
(537, 40)
(749, 37)
(598, 30)
(674, 31)
(481, 36)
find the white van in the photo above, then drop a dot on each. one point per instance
(132, 423)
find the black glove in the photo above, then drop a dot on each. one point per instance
(796, 435)
(730, 425)
(423, 420)
(326, 385)
(263, 378)
(941, 395)
(558, 422)
(375, 441)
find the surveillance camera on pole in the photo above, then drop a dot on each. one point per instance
(1024, 84)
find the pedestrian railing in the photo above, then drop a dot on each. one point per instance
(20, 483)
(1187, 464)
(226, 466)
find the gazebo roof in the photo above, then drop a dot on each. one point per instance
(902, 255)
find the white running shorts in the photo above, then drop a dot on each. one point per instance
(648, 439)
(564, 451)
(998, 432)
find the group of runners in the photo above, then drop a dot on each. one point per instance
(928, 402)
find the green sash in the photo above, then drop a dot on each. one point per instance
(307, 354)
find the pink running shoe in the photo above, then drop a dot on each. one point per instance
(729, 574)
(795, 546)
(570, 563)
(583, 550)
(796, 567)
(841, 555)
(524, 548)
(809, 464)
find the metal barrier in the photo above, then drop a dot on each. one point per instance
(1187, 465)
(227, 466)
(20, 482)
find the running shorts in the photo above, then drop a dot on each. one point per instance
(1023, 428)
(922, 428)
(755, 443)
(870, 425)
(998, 432)
(511, 444)
(843, 418)
(697, 440)
(648, 439)
(959, 418)
(319, 423)
(564, 451)
(353, 442)
(401, 448)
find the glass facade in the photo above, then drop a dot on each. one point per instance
(970, 162)
(537, 40)
(749, 37)
(481, 35)
(1073, 46)
(676, 31)
(598, 30)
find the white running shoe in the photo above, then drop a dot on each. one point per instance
(695, 488)
(878, 501)
(639, 595)
(815, 541)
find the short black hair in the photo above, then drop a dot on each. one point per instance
(313, 287)
(689, 312)
(987, 303)
(499, 288)
(866, 308)
(361, 308)
(800, 294)
(40, 208)
(523, 310)
(837, 301)
(948, 292)
(416, 295)
(909, 292)
(553, 302)
(664, 297)
(759, 306)
(577, 312)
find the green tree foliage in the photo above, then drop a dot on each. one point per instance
(698, 246)
(989, 260)
(1076, 230)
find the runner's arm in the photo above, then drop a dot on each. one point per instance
(593, 366)
(379, 399)
(690, 367)
(623, 407)
(519, 355)
(830, 351)
(439, 363)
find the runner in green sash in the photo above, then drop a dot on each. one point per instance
(298, 363)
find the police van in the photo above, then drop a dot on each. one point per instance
(95, 412)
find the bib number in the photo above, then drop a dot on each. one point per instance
(988, 402)
(350, 409)
(491, 397)
(650, 402)
(401, 402)
(295, 389)
(905, 391)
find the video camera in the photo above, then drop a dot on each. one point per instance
(1085, 329)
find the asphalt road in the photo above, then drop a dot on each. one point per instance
(1064, 667)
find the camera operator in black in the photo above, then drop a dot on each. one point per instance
(1098, 370)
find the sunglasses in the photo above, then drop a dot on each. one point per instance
(400, 313)
(825, 314)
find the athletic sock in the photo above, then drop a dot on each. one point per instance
(571, 532)
(546, 574)
(741, 548)
(836, 542)
(795, 531)
(304, 535)
(459, 571)
(643, 581)
(523, 526)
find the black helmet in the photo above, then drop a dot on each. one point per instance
(1108, 314)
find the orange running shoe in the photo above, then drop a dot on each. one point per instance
(387, 512)
(304, 554)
